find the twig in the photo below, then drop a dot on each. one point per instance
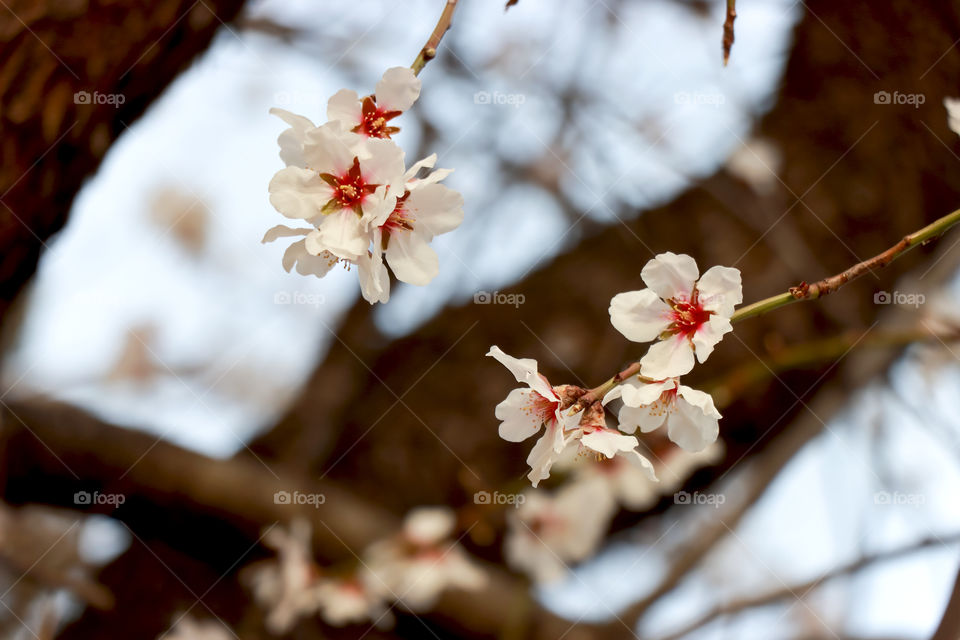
(429, 51)
(818, 289)
(801, 590)
(728, 30)
(949, 627)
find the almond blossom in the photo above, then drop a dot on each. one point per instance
(692, 419)
(418, 564)
(396, 92)
(526, 411)
(286, 586)
(342, 187)
(689, 314)
(186, 628)
(352, 599)
(548, 531)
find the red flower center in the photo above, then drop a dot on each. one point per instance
(373, 120)
(349, 189)
(688, 316)
(400, 218)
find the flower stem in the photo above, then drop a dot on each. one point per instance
(429, 51)
(818, 289)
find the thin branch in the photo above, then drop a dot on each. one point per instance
(728, 30)
(429, 51)
(949, 627)
(818, 289)
(801, 590)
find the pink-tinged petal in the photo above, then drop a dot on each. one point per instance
(342, 234)
(398, 89)
(384, 164)
(608, 442)
(525, 372)
(640, 316)
(690, 427)
(671, 276)
(435, 208)
(298, 193)
(720, 290)
(306, 263)
(346, 107)
(283, 231)
(648, 418)
(377, 207)
(640, 461)
(411, 258)
(708, 335)
(519, 415)
(327, 149)
(668, 358)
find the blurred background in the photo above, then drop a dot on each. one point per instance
(154, 349)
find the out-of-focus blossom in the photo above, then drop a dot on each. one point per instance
(689, 314)
(418, 564)
(352, 599)
(757, 162)
(187, 628)
(548, 532)
(953, 114)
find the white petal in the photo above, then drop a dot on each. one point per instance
(544, 454)
(641, 462)
(700, 399)
(411, 258)
(668, 358)
(525, 371)
(639, 394)
(640, 316)
(429, 525)
(435, 208)
(291, 140)
(709, 334)
(647, 418)
(374, 279)
(283, 231)
(692, 429)
(384, 164)
(298, 193)
(608, 442)
(426, 163)
(720, 290)
(377, 207)
(671, 275)
(342, 234)
(518, 415)
(398, 89)
(307, 263)
(328, 150)
(346, 107)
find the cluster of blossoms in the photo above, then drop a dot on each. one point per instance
(348, 181)
(411, 568)
(687, 315)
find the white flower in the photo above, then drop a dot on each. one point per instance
(416, 566)
(395, 93)
(424, 210)
(297, 255)
(189, 629)
(342, 186)
(351, 600)
(953, 114)
(691, 418)
(286, 586)
(688, 315)
(548, 531)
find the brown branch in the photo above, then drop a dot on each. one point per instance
(949, 627)
(429, 51)
(801, 590)
(728, 30)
